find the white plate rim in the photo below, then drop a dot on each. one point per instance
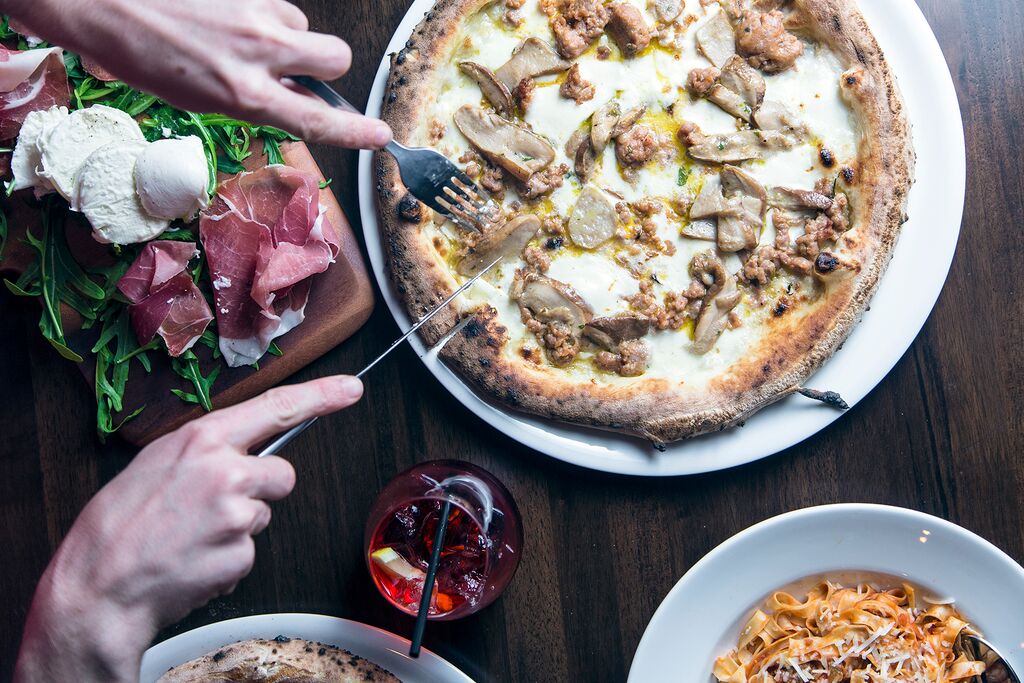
(646, 658)
(381, 647)
(937, 193)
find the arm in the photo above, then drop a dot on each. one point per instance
(165, 536)
(211, 56)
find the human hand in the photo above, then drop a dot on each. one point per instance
(223, 57)
(169, 533)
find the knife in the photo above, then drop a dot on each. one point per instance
(285, 438)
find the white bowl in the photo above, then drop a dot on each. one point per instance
(380, 647)
(702, 615)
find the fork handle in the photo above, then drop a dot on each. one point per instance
(325, 92)
(333, 98)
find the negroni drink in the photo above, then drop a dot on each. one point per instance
(481, 546)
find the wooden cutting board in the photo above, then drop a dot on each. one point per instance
(340, 302)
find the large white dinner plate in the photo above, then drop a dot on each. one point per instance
(380, 647)
(905, 298)
(702, 615)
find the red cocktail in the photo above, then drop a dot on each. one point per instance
(481, 545)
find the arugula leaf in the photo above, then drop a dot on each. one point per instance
(109, 394)
(178, 235)
(187, 367)
(275, 350)
(273, 151)
(211, 149)
(185, 396)
(18, 291)
(113, 366)
(229, 166)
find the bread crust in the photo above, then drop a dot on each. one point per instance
(650, 408)
(280, 659)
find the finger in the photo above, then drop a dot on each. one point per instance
(261, 519)
(271, 477)
(317, 55)
(291, 15)
(315, 121)
(279, 409)
(229, 564)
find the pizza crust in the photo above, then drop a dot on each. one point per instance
(650, 408)
(282, 659)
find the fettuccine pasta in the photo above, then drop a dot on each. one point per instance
(849, 635)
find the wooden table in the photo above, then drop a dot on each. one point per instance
(942, 433)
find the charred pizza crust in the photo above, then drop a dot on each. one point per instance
(651, 408)
(282, 659)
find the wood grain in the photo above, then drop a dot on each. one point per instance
(943, 433)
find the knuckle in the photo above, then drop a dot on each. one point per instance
(248, 93)
(233, 479)
(199, 438)
(317, 125)
(236, 519)
(281, 406)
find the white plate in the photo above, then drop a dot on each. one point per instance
(904, 299)
(702, 615)
(380, 647)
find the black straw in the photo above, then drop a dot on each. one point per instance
(428, 581)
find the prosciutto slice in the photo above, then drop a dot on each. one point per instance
(265, 235)
(164, 299)
(29, 81)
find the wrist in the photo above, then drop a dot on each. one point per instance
(74, 634)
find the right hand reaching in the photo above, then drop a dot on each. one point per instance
(211, 56)
(169, 533)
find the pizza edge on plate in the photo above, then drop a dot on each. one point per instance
(655, 409)
(276, 659)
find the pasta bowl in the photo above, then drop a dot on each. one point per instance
(702, 616)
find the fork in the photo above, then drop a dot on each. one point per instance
(428, 174)
(997, 670)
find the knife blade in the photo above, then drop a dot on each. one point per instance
(285, 438)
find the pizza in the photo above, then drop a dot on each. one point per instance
(280, 660)
(697, 200)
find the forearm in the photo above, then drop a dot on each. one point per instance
(72, 635)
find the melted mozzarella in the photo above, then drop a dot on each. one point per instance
(655, 79)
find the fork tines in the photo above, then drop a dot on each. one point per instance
(467, 205)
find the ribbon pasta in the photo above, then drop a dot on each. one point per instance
(848, 635)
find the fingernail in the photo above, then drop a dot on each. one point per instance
(381, 135)
(351, 387)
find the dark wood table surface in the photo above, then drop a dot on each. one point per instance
(942, 433)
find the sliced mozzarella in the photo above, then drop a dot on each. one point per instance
(106, 194)
(171, 177)
(66, 147)
(25, 162)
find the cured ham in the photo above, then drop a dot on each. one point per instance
(97, 71)
(30, 81)
(164, 299)
(265, 235)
